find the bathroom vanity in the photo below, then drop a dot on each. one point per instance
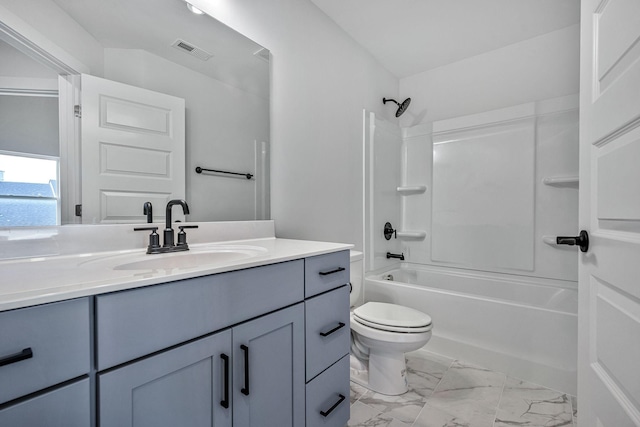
(256, 341)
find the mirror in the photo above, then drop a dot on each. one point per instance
(162, 46)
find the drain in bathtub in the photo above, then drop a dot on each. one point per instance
(387, 277)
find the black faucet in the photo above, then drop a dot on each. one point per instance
(169, 242)
(147, 210)
(168, 231)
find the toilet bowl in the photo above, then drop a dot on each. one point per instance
(381, 334)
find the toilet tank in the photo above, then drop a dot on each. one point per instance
(356, 278)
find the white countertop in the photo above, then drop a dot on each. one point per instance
(37, 280)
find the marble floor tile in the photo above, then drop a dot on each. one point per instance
(366, 416)
(527, 404)
(356, 392)
(466, 384)
(405, 407)
(425, 370)
(433, 416)
(574, 407)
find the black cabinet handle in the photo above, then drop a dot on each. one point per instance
(326, 334)
(245, 390)
(335, 405)
(225, 401)
(326, 273)
(17, 357)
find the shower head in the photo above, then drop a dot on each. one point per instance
(401, 107)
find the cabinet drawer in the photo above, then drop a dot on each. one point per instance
(50, 344)
(325, 272)
(328, 397)
(67, 406)
(138, 322)
(327, 329)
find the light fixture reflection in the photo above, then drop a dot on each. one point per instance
(194, 9)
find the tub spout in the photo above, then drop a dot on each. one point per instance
(398, 256)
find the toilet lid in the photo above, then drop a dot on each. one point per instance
(392, 317)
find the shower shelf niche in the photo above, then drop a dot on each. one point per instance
(561, 181)
(412, 189)
(411, 235)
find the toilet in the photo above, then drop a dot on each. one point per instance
(381, 334)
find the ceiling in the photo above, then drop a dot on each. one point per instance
(154, 25)
(412, 36)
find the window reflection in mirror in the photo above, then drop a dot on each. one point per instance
(29, 193)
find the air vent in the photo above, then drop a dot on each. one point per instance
(263, 54)
(191, 50)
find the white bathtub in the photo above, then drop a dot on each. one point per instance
(525, 327)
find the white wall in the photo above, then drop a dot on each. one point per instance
(321, 82)
(539, 68)
(222, 125)
(54, 29)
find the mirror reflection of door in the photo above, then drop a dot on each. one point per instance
(133, 150)
(29, 141)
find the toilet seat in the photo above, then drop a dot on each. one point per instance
(392, 317)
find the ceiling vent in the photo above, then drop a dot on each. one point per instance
(192, 50)
(263, 54)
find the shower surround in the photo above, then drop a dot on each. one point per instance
(477, 202)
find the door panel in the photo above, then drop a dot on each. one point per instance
(176, 388)
(276, 386)
(609, 307)
(133, 150)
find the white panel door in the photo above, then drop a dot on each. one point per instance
(133, 151)
(609, 308)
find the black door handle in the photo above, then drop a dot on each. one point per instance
(17, 357)
(225, 400)
(245, 390)
(335, 405)
(582, 240)
(326, 334)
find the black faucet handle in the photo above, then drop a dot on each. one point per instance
(182, 227)
(154, 238)
(182, 235)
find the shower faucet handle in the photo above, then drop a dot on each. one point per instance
(389, 231)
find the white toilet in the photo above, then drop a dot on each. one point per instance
(381, 334)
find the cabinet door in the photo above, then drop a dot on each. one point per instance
(269, 385)
(184, 386)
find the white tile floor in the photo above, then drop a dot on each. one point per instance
(451, 393)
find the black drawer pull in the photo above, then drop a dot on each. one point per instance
(326, 273)
(326, 334)
(245, 390)
(225, 401)
(335, 405)
(17, 357)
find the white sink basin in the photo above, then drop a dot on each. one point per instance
(203, 256)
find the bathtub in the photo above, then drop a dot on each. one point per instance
(522, 326)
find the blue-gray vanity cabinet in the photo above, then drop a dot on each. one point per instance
(328, 339)
(269, 386)
(249, 375)
(328, 402)
(66, 406)
(43, 346)
(325, 272)
(135, 323)
(184, 386)
(327, 329)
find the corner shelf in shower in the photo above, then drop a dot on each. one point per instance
(411, 235)
(561, 181)
(412, 189)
